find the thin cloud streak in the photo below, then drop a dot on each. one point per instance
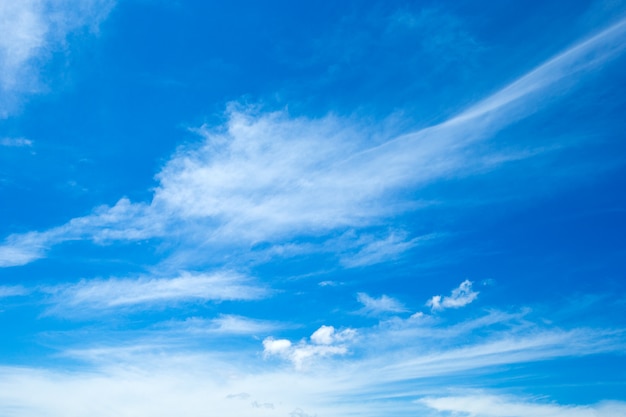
(489, 405)
(101, 295)
(225, 324)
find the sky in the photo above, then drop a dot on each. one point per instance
(312, 209)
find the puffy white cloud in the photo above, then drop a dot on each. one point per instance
(326, 341)
(460, 297)
(326, 335)
(273, 346)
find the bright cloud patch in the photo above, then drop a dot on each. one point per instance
(325, 342)
(460, 297)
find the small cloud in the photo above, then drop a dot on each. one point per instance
(298, 412)
(489, 405)
(257, 404)
(384, 304)
(326, 335)
(329, 284)
(12, 291)
(325, 342)
(239, 396)
(459, 297)
(273, 346)
(16, 142)
(224, 324)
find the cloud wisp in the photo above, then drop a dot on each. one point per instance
(99, 296)
(382, 305)
(32, 31)
(265, 177)
(329, 373)
(490, 405)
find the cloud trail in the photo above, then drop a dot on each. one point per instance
(266, 177)
(98, 296)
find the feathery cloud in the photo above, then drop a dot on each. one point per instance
(32, 30)
(486, 405)
(384, 304)
(102, 295)
(267, 177)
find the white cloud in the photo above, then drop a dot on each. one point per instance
(326, 342)
(333, 371)
(269, 177)
(369, 250)
(327, 335)
(100, 295)
(23, 249)
(485, 405)
(329, 284)
(16, 142)
(273, 346)
(460, 297)
(384, 304)
(123, 221)
(12, 290)
(165, 382)
(226, 324)
(31, 31)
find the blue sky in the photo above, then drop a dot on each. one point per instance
(312, 209)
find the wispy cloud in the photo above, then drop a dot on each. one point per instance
(486, 405)
(268, 177)
(225, 324)
(370, 250)
(13, 290)
(32, 30)
(16, 142)
(460, 297)
(102, 295)
(381, 305)
(332, 373)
